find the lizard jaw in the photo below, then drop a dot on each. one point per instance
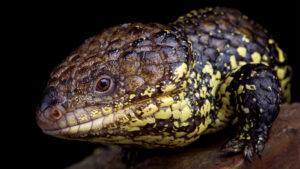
(83, 122)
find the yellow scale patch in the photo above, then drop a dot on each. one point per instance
(185, 113)
(165, 101)
(149, 91)
(176, 114)
(233, 62)
(96, 113)
(242, 51)
(179, 72)
(256, 57)
(107, 110)
(281, 72)
(280, 54)
(250, 87)
(150, 109)
(168, 87)
(163, 114)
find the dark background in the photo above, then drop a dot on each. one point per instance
(44, 34)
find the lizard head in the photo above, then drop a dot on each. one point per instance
(118, 86)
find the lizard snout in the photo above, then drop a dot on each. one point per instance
(50, 110)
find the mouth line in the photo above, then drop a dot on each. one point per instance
(96, 126)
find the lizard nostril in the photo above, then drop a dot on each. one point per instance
(55, 114)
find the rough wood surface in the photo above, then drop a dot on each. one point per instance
(282, 150)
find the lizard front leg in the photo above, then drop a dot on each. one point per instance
(255, 90)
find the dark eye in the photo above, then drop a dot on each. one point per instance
(103, 84)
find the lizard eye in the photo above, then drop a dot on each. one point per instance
(103, 84)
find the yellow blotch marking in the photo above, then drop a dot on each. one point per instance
(208, 69)
(203, 92)
(198, 76)
(131, 96)
(138, 112)
(271, 41)
(281, 72)
(233, 62)
(106, 110)
(202, 128)
(240, 89)
(250, 87)
(207, 106)
(242, 51)
(176, 124)
(185, 113)
(194, 12)
(256, 58)
(265, 57)
(179, 72)
(176, 114)
(181, 95)
(168, 87)
(245, 17)
(218, 75)
(195, 84)
(180, 134)
(197, 95)
(95, 113)
(246, 110)
(185, 124)
(214, 80)
(183, 85)
(139, 123)
(192, 75)
(246, 127)
(225, 100)
(176, 105)
(241, 63)
(150, 109)
(245, 39)
(192, 133)
(149, 91)
(165, 101)
(226, 84)
(132, 128)
(163, 114)
(280, 54)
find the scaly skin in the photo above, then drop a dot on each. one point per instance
(169, 84)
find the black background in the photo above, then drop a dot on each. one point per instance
(42, 35)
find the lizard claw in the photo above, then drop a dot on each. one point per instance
(249, 146)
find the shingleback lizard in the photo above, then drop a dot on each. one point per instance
(162, 86)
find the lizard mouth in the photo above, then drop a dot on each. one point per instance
(83, 122)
